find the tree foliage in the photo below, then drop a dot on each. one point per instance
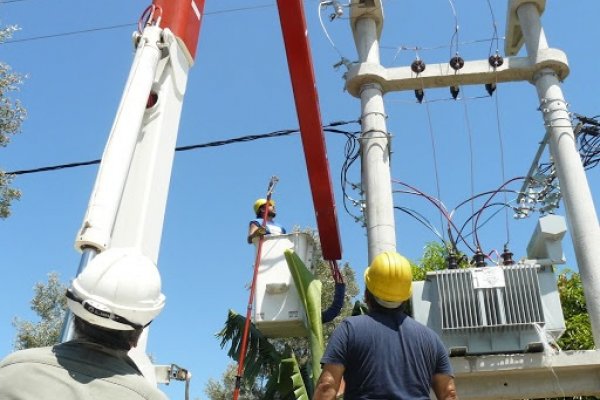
(434, 258)
(223, 389)
(578, 334)
(50, 304)
(12, 115)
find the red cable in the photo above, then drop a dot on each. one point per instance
(335, 272)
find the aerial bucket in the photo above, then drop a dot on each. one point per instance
(278, 311)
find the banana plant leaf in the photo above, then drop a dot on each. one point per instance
(291, 384)
(309, 290)
(261, 355)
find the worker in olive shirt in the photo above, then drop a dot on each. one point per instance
(386, 354)
(113, 299)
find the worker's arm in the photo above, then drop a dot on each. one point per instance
(443, 387)
(329, 382)
(254, 231)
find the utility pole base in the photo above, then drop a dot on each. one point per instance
(528, 376)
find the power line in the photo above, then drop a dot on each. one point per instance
(242, 139)
(118, 26)
(63, 34)
(230, 10)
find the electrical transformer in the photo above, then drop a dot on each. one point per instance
(497, 309)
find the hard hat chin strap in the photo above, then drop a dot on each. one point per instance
(387, 304)
(89, 307)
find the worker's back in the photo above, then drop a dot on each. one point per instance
(389, 354)
(73, 370)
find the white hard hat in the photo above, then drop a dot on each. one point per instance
(119, 289)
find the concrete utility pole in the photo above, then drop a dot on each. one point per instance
(375, 140)
(581, 214)
(531, 375)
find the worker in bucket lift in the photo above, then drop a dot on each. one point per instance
(256, 228)
(113, 299)
(386, 354)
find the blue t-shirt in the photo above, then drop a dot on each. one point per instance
(387, 356)
(272, 227)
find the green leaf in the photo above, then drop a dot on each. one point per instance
(309, 290)
(261, 355)
(291, 384)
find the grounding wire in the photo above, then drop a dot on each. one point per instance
(502, 156)
(498, 126)
(471, 155)
(434, 154)
(422, 219)
(454, 38)
(495, 26)
(320, 15)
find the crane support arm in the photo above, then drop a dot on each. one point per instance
(293, 27)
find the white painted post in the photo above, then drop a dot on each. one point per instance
(375, 149)
(581, 214)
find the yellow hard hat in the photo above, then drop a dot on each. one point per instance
(389, 277)
(261, 202)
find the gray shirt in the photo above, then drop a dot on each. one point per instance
(73, 370)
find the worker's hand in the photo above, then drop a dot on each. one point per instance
(260, 231)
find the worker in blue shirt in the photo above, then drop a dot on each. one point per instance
(256, 228)
(385, 354)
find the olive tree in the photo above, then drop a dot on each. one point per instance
(12, 115)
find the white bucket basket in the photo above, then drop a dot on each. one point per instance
(278, 311)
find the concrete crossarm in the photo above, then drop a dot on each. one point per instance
(528, 376)
(442, 75)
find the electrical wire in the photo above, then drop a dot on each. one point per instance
(587, 135)
(441, 207)
(351, 154)
(421, 218)
(442, 99)
(64, 34)
(436, 47)
(475, 234)
(470, 199)
(242, 139)
(118, 26)
(495, 26)
(464, 225)
(454, 38)
(322, 4)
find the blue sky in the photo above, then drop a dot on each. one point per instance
(240, 86)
